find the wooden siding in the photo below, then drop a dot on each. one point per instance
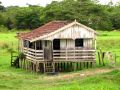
(72, 32)
(67, 43)
(88, 43)
(70, 43)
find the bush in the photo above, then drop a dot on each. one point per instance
(5, 46)
(10, 50)
(3, 28)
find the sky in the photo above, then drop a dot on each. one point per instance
(39, 2)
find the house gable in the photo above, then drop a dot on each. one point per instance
(73, 30)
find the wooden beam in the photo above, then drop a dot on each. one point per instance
(95, 45)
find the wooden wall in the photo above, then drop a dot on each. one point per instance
(70, 43)
(72, 32)
(67, 43)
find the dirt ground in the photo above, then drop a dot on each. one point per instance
(81, 74)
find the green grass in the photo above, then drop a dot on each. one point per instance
(18, 79)
(109, 41)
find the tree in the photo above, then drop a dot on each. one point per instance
(116, 20)
(2, 20)
(87, 12)
(27, 19)
(9, 23)
(2, 8)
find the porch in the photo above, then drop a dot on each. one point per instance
(66, 55)
(55, 55)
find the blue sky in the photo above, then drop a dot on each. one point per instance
(39, 2)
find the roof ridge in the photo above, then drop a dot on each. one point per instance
(59, 21)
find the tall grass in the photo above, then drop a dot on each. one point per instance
(19, 79)
(109, 42)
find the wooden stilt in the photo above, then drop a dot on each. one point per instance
(87, 64)
(28, 65)
(94, 63)
(75, 66)
(37, 67)
(24, 64)
(21, 63)
(54, 67)
(84, 64)
(34, 67)
(58, 67)
(44, 67)
(64, 66)
(67, 66)
(91, 64)
(70, 66)
(78, 66)
(31, 66)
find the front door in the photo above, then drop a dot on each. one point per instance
(48, 54)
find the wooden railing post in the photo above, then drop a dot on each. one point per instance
(66, 53)
(35, 51)
(95, 45)
(74, 53)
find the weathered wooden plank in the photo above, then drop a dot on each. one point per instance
(33, 50)
(31, 58)
(68, 50)
(75, 57)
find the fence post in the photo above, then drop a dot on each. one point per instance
(99, 58)
(103, 55)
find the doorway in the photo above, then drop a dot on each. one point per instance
(56, 44)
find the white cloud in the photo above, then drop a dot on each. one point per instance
(24, 2)
(38, 2)
(107, 1)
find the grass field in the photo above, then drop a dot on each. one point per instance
(18, 79)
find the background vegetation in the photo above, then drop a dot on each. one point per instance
(88, 12)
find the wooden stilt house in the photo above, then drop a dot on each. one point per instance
(58, 46)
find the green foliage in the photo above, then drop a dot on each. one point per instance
(10, 50)
(2, 8)
(5, 46)
(88, 12)
(22, 56)
(9, 23)
(116, 20)
(1, 19)
(27, 19)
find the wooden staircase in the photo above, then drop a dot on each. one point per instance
(49, 67)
